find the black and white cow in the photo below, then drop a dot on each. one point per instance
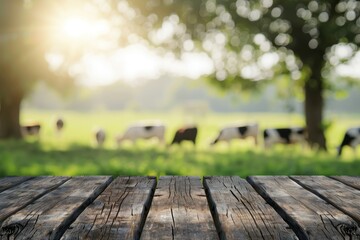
(31, 129)
(351, 139)
(185, 134)
(141, 131)
(238, 132)
(284, 135)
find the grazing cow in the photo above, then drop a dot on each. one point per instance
(351, 138)
(242, 132)
(185, 134)
(31, 129)
(284, 135)
(100, 137)
(143, 132)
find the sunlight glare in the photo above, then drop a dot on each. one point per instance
(76, 27)
(137, 63)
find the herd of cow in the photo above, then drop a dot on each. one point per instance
(271, 136)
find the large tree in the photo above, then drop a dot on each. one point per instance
(23, 44)
(39, 41)
(258, 40)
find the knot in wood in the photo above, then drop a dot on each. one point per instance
(11, 229)
(349, 230)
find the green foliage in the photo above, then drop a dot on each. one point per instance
(31, 159)
(250, 41)
(74, 153)
(304, 29)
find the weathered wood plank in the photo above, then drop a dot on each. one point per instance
(14, 199)
(308, 215)
(241, 213)
(345, 198)
(8, 182)
(179, 211)
(118, 213)
(49, 216)
(352, 181)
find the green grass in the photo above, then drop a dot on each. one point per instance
(74, 153)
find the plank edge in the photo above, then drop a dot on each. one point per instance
(25, 178)
(324, 198)
(147, 206)
(213, 209)
(61, 229)
(293, 224)
(338, 178)
(50, 189)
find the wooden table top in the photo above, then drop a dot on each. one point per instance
(180, 207)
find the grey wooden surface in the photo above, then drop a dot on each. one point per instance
(180, 207)
(48, 216)
(9, 182)
(343, 197)
(118, 213)
(240, 213)
(18, 197)
(310, 216)
(179, 211)
(348, 180)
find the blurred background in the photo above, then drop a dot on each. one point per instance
(75, 75)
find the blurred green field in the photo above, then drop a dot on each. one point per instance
(75, 153)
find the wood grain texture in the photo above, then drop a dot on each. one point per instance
(179, 210)
(343, 197)
(9, 182)
(312, 207)
(16, 198)
(49, 216)
(118, 213)
(309, 216)
(352, 181)
(241, 213)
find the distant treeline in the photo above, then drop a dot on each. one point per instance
(166, 94)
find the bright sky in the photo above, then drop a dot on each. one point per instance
(132, 64)
(137, 63)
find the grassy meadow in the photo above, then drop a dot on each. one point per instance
(74, 151)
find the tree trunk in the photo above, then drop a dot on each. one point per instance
(314, 106)
(10, 117)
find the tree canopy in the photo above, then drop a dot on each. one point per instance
(298, 44)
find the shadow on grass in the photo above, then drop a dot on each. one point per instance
(24, 158)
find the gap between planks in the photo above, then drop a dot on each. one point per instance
(44, 215)
(119, 212)
(311, 216)
(239, 212)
